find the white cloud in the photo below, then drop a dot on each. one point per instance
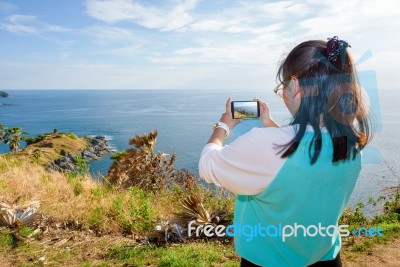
(251, 32)
(171, 18)
(126, 51)
(111, 11)
(31, 25)
(109, 33)
(260, 51)
(115, 41)
(278, 10)
(212, 25)
(380, 9)
(191, 40)
(351, 17)
(54, 28)
(251, 16)
(19, 24)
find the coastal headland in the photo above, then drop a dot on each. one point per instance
(137, 218)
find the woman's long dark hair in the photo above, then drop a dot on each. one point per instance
(330, 93)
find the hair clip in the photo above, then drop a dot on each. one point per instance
(334, 47)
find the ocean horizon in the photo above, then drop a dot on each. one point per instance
(183, 119)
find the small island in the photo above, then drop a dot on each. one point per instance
(4, 94)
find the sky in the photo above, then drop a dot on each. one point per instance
(183, 44)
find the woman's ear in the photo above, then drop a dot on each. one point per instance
(295, 87)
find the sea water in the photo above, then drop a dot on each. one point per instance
(183, 119)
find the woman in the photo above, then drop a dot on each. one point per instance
(293, 182)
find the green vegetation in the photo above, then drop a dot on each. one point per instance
(135, 216)
(193, 254)
(35, 139)
(45, 148)
(82, 166)
(112, 222)
(388, 223)
(12, 137)
(26, 231)
(117, 155)
(6, 240)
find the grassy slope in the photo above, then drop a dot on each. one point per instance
(54, 146)
(100, 211)
(110, 220)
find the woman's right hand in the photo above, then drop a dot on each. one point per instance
(265, 115)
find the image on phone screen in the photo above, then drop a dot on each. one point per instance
(245, 109)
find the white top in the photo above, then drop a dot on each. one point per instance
(248, 164)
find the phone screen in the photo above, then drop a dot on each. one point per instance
(245, 109)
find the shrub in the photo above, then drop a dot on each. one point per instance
(134, 212)
(139, 166)
(96, 216)
(117, 155)
(34, 140)
(71, 135)
(63, 152)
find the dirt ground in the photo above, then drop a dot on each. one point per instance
(75, 248)
(382, 255)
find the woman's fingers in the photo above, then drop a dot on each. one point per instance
(259, 100)
(227, 116)
(228, 105)
(263, 105)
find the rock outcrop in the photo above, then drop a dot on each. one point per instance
(98, 148)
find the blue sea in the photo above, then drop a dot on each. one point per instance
(183, 119)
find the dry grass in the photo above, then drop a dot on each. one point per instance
(73, 197)
(54, 146)
(67, 197)
(149, 196)
(90, 220)
(21, 178)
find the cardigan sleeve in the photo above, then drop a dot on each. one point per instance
(247, 165)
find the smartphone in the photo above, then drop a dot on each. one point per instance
(245, 109)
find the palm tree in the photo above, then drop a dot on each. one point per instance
(13, 137)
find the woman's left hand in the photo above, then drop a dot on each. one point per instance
(227, 116)
(218, 135)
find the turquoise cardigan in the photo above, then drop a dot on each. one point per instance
(301, 194)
